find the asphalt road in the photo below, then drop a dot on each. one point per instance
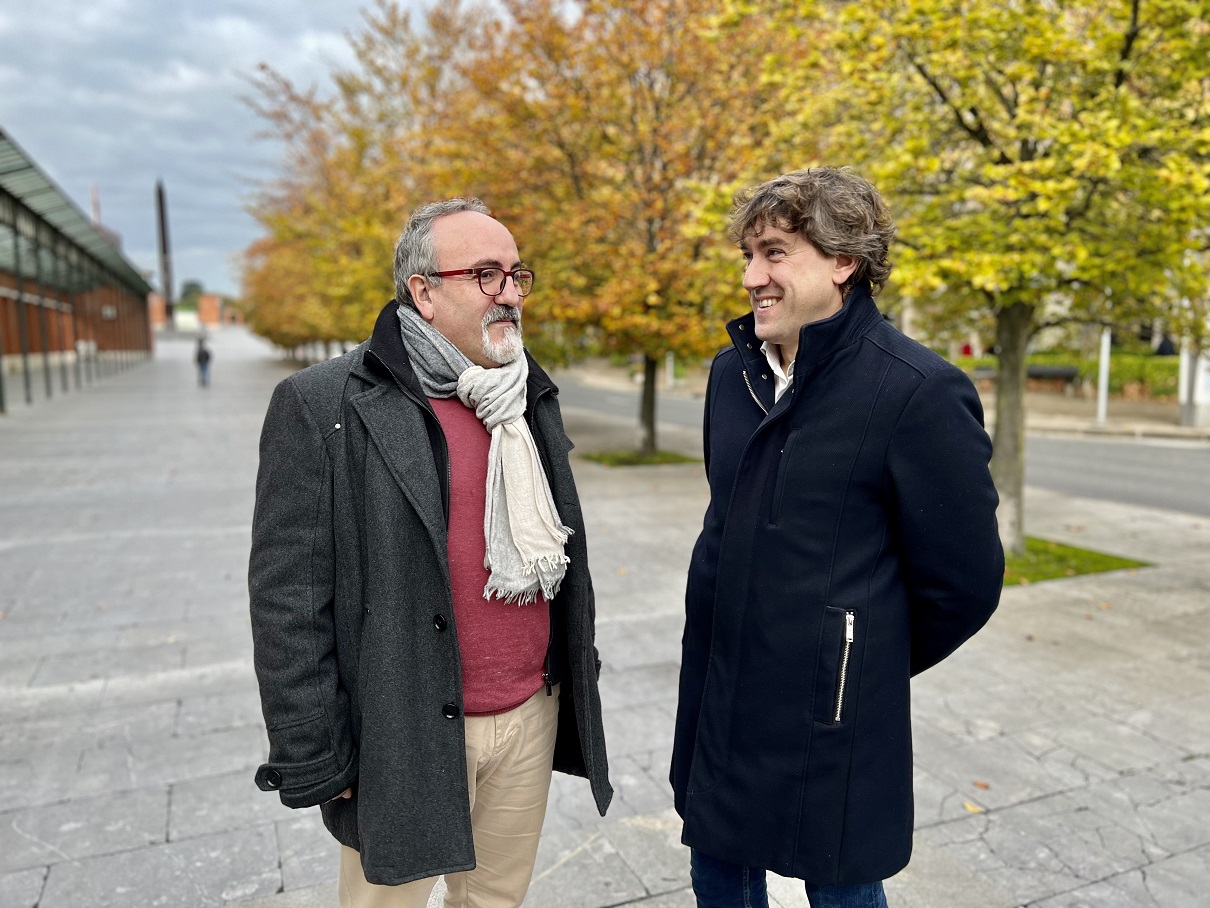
(1151, 472)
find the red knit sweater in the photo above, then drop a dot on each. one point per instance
(503, 646)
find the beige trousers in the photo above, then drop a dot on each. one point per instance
(508, 768)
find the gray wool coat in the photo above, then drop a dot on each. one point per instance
(356, 648)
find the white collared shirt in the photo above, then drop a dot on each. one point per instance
(781, 377)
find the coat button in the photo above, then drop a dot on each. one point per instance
(439, 622)
(272, 778)
(765, 375)
(450, 710)
(749, 346)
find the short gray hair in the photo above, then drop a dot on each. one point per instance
(414, 250)
(840, 212)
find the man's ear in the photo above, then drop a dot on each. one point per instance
(418, 286)
(843, 269)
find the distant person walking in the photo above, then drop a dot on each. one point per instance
(202, 358)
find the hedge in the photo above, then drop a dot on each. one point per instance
(1144, 375)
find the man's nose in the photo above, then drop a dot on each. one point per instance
(510, 295)
(755, 275)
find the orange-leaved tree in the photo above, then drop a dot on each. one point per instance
(602, 134)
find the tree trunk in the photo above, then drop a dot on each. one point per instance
(1013, 325)
(647, 443)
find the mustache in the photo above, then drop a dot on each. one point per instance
(502, 313)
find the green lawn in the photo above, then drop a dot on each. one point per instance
(1051, 560)
(630, 458)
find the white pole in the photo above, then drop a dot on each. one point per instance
(670, 369)
(1103, 379)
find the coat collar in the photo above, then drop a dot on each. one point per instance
(386, 359)
(816, 340)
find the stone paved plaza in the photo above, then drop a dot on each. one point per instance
(1063, 756)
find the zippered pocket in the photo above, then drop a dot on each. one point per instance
(836, 662)
(850, 621)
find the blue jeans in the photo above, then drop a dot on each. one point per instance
(719, 884)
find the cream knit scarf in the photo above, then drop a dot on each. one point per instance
(522, 529)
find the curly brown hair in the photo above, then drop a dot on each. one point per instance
(838, 211)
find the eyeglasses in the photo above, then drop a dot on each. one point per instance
(491, 279)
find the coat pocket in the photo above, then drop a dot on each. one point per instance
(833, 681)
(783, 469)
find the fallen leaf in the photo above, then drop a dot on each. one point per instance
(2, 615)
(1132, 571)
(1074, 528)
(972, 808)
(1088, 616)
(621, 572)
(1104, 605)
(1024, 581)
(1030, 637)
(984, 785)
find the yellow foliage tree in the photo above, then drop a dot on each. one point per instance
(1045, 162)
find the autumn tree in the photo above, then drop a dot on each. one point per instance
(1045, 161)
(355, 163)
(598, 131)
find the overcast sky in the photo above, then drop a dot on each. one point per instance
(120, 93)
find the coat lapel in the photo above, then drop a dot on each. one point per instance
(396, 427)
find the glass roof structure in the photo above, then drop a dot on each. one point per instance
(59, 244)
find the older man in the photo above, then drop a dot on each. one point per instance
(421, 605)
(850, 542)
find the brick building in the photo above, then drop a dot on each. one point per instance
(72, 307)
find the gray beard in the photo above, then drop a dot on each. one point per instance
(510, 346)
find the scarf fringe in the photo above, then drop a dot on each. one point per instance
(522, 597)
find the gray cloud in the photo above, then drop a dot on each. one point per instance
(120, 93)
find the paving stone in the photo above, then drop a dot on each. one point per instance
(73, 667)
(309, 854)
(154, 720)
(1115, 744)
(570, 806)
(639, 685)
(937, 801)
(1046, 847)
(22, 889)
(119, 763)
(197, 873)
(67, 831)
(221, 711)
(581, 871)
(650, 845)
(682, 898)
(17, 672)
(934, 877)
(640, 784)
(640, 729)
(1011, 770)
(223, 802)
(321, 896)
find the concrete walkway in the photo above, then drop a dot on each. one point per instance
(1063, 756)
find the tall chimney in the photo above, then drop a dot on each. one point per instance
(165, 252)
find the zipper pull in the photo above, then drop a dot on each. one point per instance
(848, 627)
(549, 687)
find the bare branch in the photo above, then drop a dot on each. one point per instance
(1128, 39)
(976, 130)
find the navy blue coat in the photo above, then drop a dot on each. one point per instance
(850, 543)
